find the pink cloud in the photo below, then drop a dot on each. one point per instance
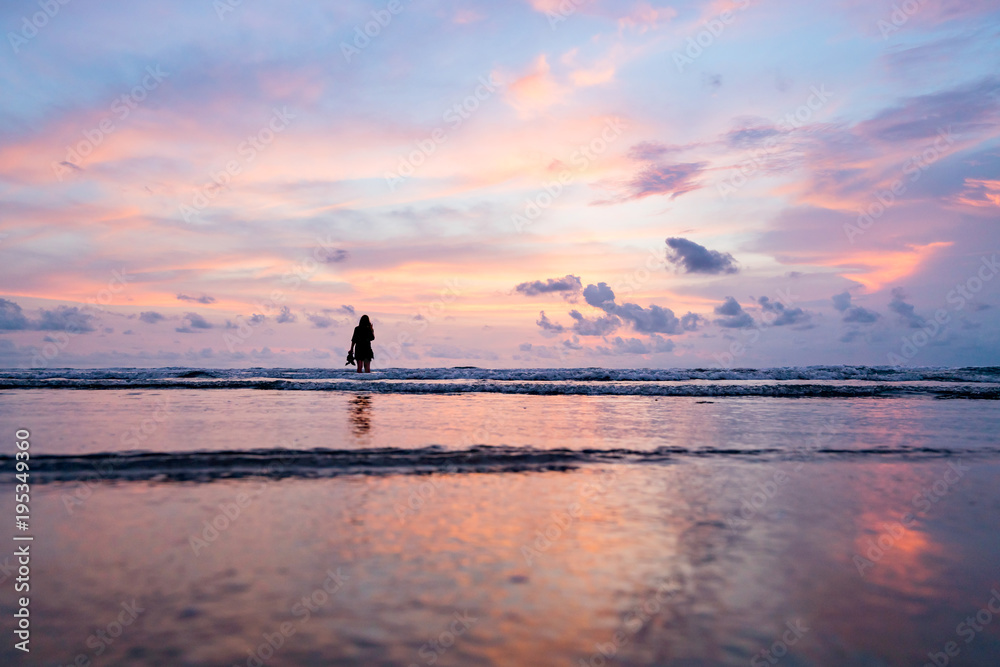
(535, 90)
(980, 192)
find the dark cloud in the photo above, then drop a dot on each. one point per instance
(842, 301)
(733, 315)
(11, 317)
(568, 286)
(193, 323)
(661, 344)
(151, 317)
(784, 316)
(196, 321)
(548, 325)
(693, 258)
(859, 315)
(601, 326)
(65, 318)
(904, 310)
(319, 321)
(654, 319)
(692, 321)
(673, 180)
(598, 295)
(331, 255)
(285, 316)
(205, 299)
(347, 310)
(730, 308)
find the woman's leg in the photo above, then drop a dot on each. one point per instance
(368, 366)
(359, 365)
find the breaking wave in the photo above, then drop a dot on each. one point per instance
(794, 382)
(855, 373)
(203, 466)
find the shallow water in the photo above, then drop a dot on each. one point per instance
(177, 420)
(691, 559)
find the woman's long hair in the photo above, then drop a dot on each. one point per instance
(366, 324)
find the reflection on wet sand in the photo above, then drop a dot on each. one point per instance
(554, 568)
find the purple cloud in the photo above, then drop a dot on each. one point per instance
(784, 316)
(548, 325)
(673, 180)
(970, 107)
(653, 150)
(599, 295)
(906, 312)
(205, 299)
(733, 315)
(65, 318)
(193, 323)
(11, 316)
(319, 321)
(693, 258)
(600, 326)
(568, 286)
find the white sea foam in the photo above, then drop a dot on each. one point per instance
(859, 373)
(829, 381)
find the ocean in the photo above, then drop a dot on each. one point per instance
(457, 516)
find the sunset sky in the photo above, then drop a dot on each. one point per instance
(534, 183)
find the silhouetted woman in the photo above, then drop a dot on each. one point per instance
(361, 344)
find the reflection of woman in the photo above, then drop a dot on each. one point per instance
(360, 414)
(361, 344)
